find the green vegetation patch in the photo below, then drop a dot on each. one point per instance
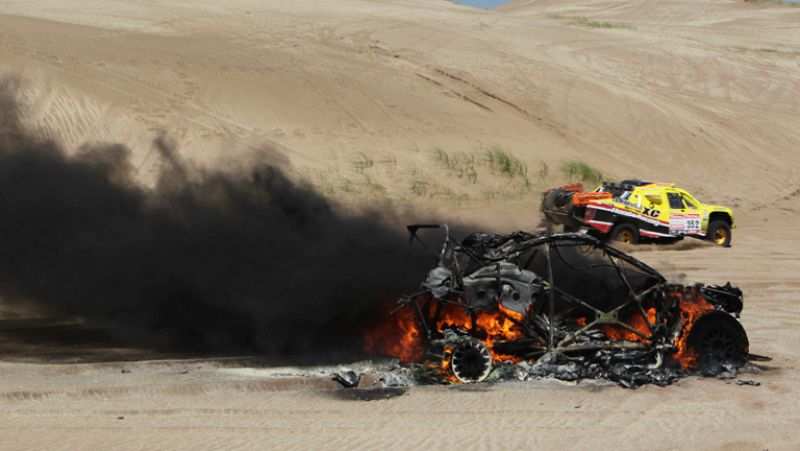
(578, 170)
(362, 161)
(462, 164)
(504, 163)
(483, 173)
(586, 22)
(427, 188)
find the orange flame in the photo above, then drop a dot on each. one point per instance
(497, 326)
(402, 336)
(501, 326)
(637, 322)
(692, 308)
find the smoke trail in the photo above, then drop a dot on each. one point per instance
(206, 260)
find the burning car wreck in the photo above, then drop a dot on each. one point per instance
(559, 305)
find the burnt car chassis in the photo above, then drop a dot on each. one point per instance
(596, 312)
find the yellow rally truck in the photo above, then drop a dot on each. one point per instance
(635, 210)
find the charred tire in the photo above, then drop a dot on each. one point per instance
(718, 338)
(549, 201)
(471, 361)
(558, 200)
(719, 232)
(561, 199)
(626, 233)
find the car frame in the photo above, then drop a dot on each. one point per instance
(518, 282)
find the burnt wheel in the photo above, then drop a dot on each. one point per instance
(627, 233)
(471, 361)
(718, 338)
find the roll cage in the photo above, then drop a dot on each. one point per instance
(541, 330)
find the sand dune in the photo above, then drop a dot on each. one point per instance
(705, 98)
(403, 101)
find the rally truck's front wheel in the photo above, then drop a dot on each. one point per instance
(719, 232)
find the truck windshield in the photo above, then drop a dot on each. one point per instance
(691, 204)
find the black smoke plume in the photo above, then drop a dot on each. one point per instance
(204, 261)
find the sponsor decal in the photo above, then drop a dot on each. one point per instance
(685, 224)
(617, 211)
(652, 212)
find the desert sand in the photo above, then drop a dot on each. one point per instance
(398, 102)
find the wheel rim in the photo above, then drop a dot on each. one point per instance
(718, 344)
(625, 236)
(720, 236)
(471, 361)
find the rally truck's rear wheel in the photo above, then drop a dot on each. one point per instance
(626, 233)
(718, 338)
(719, 232)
